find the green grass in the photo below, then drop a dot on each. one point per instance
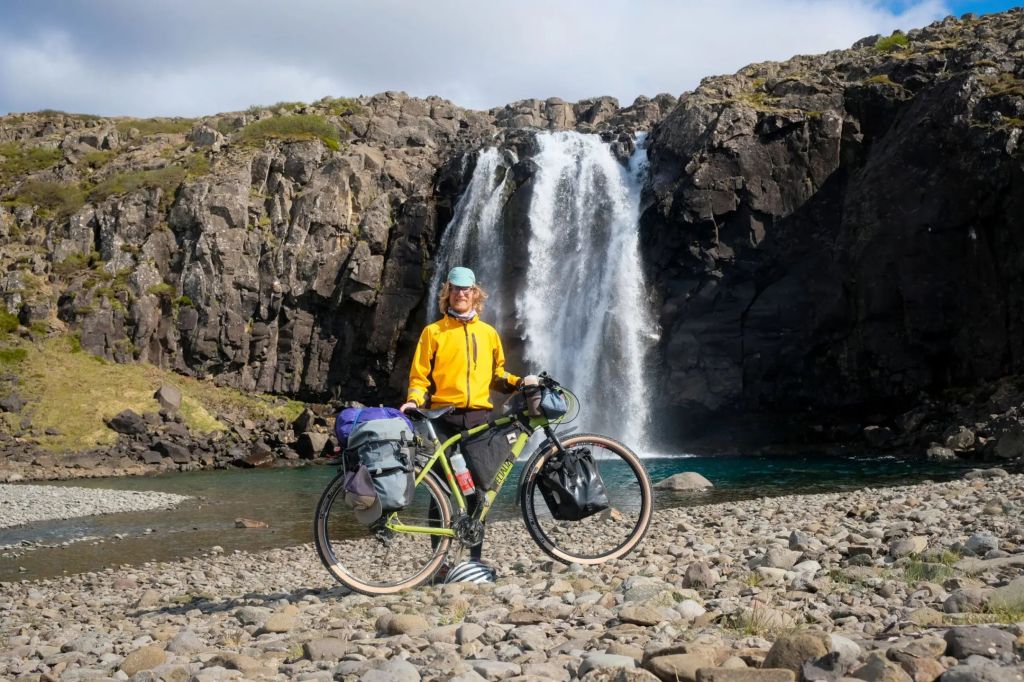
(12, 356)
(340, 106)
(923, 571)
(291, 128)
(77, 262)
(168, 178)
(8, 323)
(227, 127)
(98, 159)
(156, 126)
(897, 41)
(54, 113)
(163, 290)
(76, 391)
(998, 613)
(20, 160)
(53, 197)
(197, 164)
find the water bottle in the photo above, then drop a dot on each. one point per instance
(462, 474)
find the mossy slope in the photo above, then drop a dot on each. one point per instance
(75, 392)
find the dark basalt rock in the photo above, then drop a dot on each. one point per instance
(838, 233)
(177, 453)
(12, 403)
(128, 422)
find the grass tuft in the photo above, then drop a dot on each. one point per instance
(55, 113)
(17, 159)
(291, 128)
(342, 106)
(77, 262)
(752, 579)
(164, 290)
(168, 179)
(897, 41)
(8, 323)
(98, 159)
(12, 356)
(53, 197)
(156, 126)
(923, 571)
(755, 622)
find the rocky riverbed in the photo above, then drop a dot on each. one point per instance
(895, 585)
(28, 503)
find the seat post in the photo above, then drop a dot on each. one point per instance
(431, 431)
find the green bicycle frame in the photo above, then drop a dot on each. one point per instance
(441, 455)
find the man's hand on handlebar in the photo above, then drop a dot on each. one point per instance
(407, 406)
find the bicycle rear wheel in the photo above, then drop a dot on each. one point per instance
(607, 535)
(382, 562)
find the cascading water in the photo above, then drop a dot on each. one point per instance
(581, 309)
(474, 235)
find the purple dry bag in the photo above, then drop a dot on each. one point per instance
(350, 416)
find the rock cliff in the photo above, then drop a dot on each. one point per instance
(832, 235)
(839, 233)
(281, 250)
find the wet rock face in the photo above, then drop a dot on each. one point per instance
(839, 231)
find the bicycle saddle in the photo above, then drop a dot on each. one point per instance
(420, 413)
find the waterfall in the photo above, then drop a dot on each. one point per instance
(581, 310)
(474, 234)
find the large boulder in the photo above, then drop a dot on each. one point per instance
(311, 444)
(128, 422)
(11, 403)
(169, 397)
(688, 480)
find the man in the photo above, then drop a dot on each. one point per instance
(458, 360)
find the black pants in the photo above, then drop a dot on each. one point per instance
(446, 427)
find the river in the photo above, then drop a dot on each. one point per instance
(285, 500)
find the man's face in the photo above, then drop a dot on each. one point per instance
(462, 299)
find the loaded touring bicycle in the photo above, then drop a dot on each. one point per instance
(584, 498)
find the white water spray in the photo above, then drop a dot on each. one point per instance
(582, 309)
(474, 234)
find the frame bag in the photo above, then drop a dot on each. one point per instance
(486, 452)
(386, 448)
(571, 485)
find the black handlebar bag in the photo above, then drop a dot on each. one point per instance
(571, 485)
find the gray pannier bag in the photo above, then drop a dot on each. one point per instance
(386, 448)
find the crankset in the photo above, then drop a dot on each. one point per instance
(468, 531)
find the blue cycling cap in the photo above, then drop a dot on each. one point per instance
(461, 277)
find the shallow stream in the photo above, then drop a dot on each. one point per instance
(285, 500)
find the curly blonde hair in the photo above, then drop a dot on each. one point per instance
(446, 291)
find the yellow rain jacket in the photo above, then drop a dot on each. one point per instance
(457, 363)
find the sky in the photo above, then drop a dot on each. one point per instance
(190, 58)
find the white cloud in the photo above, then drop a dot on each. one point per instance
(167, 57)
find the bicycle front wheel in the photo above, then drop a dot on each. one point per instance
(384, 561)
(606, 535)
